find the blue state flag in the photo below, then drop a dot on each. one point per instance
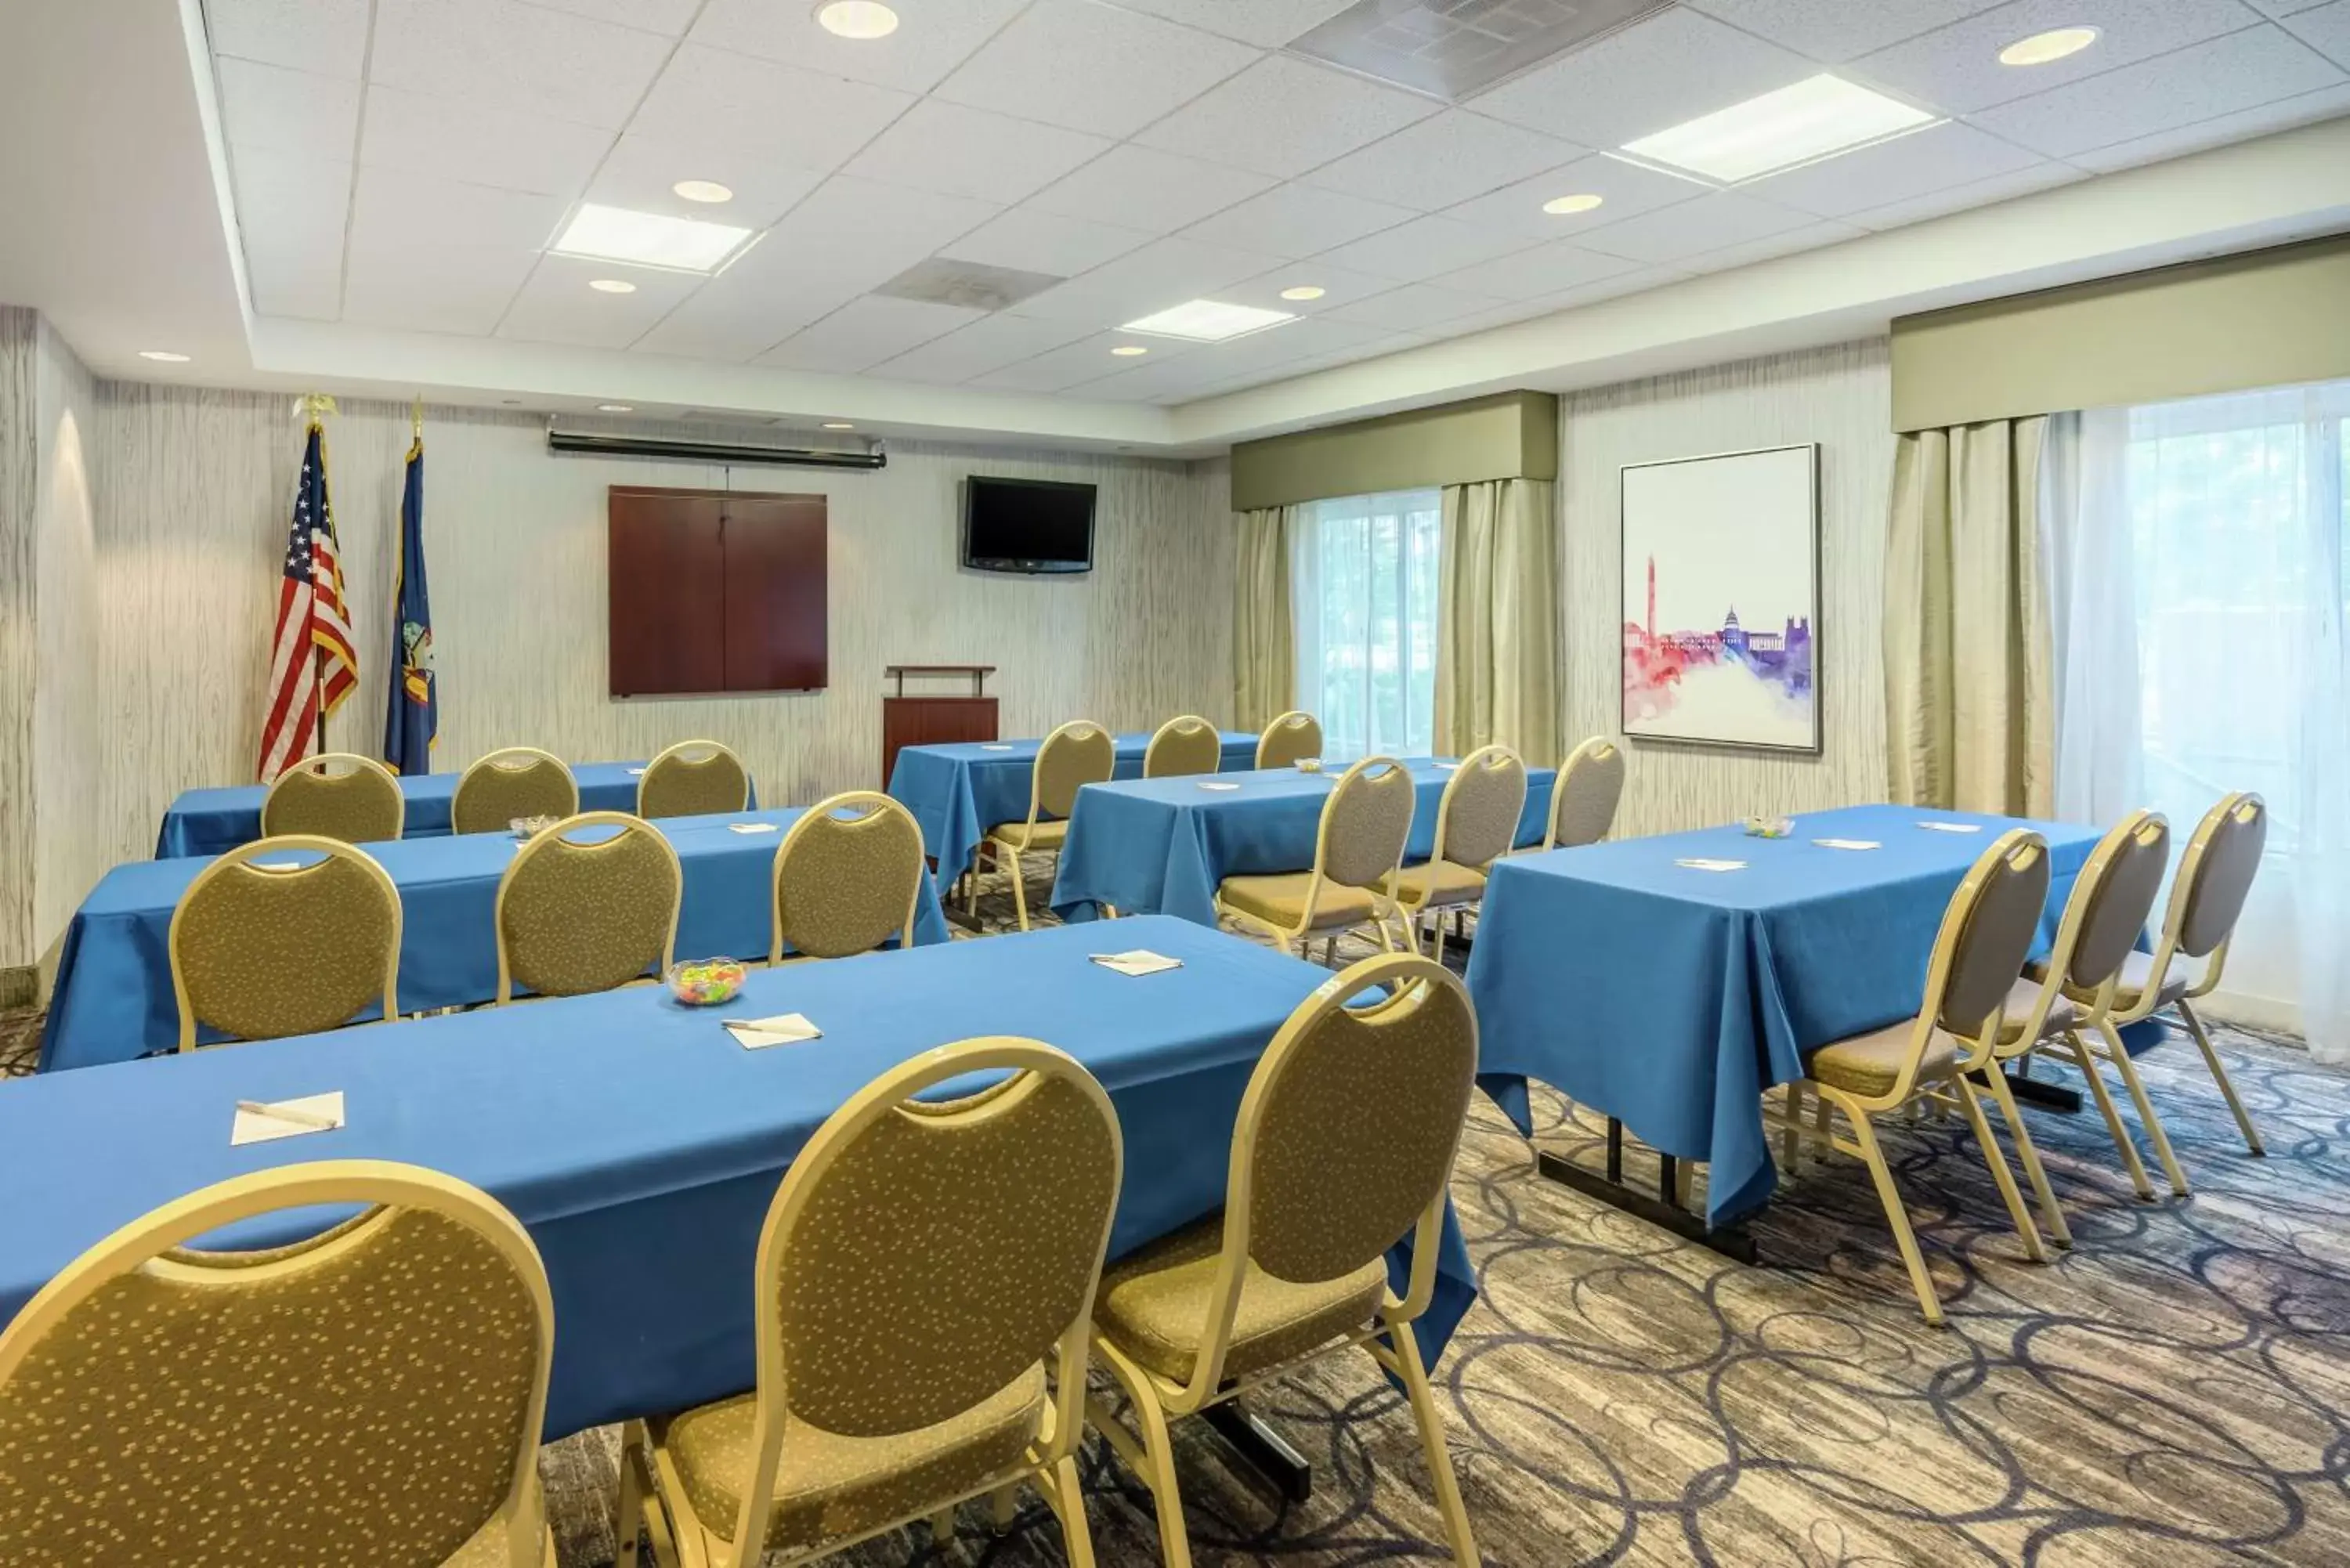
(412, 718)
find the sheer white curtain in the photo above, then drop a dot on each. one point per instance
(2200, 646)
(1363, 585)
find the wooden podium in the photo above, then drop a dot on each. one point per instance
(923, 721)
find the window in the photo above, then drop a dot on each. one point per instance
(1363, 583)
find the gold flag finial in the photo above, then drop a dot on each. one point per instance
(312, 407)
(416, 417)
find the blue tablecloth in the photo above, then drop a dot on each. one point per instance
(211, 821)
(958, 792)
(641, 1146)
(113, 999)
(1672, 997)
(1160, 846)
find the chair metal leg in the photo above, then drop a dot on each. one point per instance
(1063, 1495)
(1791, 1139)
(1156, 1470)
(1823, 1127)
(629, 1523)
(942, 1528)
(970, 883)
(2146, 1114)
(2219, 1076)
(2004, 1179)
(1865, 1136)
(1330, 951)
(1004, 1506)
(1430, 1422)
(2085, 1059)
(2029, 1153)
(1019, 886)
(1438, 953)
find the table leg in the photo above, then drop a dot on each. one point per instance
(1732, 1241)
(1265, 1450)
(2032, 1091)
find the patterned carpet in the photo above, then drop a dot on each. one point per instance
(2174, 1391)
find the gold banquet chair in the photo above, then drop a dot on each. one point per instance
(1583, 798)
(338, 795)
(899, 1377)
(847, 878)
(511, 783)
(1357, 862)
(1078, 754)
(1343, 1146)
(1287, 738)
(1987, 932)
(261, 946)
(1182, 747)
(693, 778)
(575, 916)
(370, 1397)
(1476, 824)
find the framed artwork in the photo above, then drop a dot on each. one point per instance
(1721, 575)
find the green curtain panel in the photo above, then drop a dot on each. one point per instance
(1970, 688)
(1264, 658)
(1497, 624)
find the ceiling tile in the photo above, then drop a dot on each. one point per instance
(394, 208)
(2240, 71)
(1297, 343)
(916, 58)
(669, 18)
(1415, 305)
(1959, 198)
(720, 103)
(1444, 160)
(1626, 190)
(1029, 240)
(639, 173)
(1706, 224)
(1769, 247)
(1339, 286)
(1639, 281)
(485, 146)
(1916, 164)
(1425, 246)
(1297, 221)
(1834, 30)
(960, 152)
(1283, 117)
(1671, 68)
(1545, 270)
(327, 37)
(2285, 7)
(461, 290)
(1955, 68)
(290, 209)
(516, 57)
(2303, 109)
(1162, 274)
(1138, 188)
(268, 105)
(2326, 29)
(1086, 360)
(1268, 24)
(864, 332)
(988, 344)
(1510, 315)
(1091, 67)
(555, 305)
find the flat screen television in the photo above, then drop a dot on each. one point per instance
(1028, 525)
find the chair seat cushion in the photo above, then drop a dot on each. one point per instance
(1021, 836)
(488, 1549)
(830, 1485)
(1441, 882)
(2024, 995)
(1153, 1305)
(1868, 1065)
(1280, 901)
(2183, 975)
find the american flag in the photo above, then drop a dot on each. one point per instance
(311, 664)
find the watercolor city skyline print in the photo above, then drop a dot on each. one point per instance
(1721, 599)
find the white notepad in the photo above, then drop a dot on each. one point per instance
(1135, 960)
(1220, 787)
(985, 747)
(1952, 827)
(783, 1029)
(1699, 863)
(1446, 767)
(1847, 843)
(266, 1121)
(751, 827)
(636, 772)
(275, 865)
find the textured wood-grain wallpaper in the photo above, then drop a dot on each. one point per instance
(19, 529)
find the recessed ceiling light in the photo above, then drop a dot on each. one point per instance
(162, 355)
(1561, 206)
(2042, 48)
(703, 191)
(1209, 321)
(648, 239)
(858, 19)
(611, 285)
(1304, 291)
(1129, 350)
(616, 408)
(839, 425)
(1814, 117)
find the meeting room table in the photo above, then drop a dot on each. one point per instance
(1162, 846)
(212, 821)
(1665, 982)
(958, 791)
(640, 1146)
(114, 998)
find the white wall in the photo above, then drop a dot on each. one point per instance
(19, 507)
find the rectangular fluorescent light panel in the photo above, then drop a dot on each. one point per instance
(1814, 119)
(1207, 321)
(648, 239)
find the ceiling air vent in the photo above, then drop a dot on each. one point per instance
(1452, 48)
(973, 286)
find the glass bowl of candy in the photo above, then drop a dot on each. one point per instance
(1770, 826)
(529, 827)
(705, 983)
(1309, 764)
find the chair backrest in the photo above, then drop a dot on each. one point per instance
(1186, 746)
(1078, 754)
(1292, 735)
(1477, 821)
(510, 783)
(693, 778)
(920, 1255)
(371, 1396)
(338, 795)
(1366, 822)
(577, 915)
(848, 876)
(2216, 873)
(268, 942)
(1987, 932)
(2104, 914)
(1584, 795)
